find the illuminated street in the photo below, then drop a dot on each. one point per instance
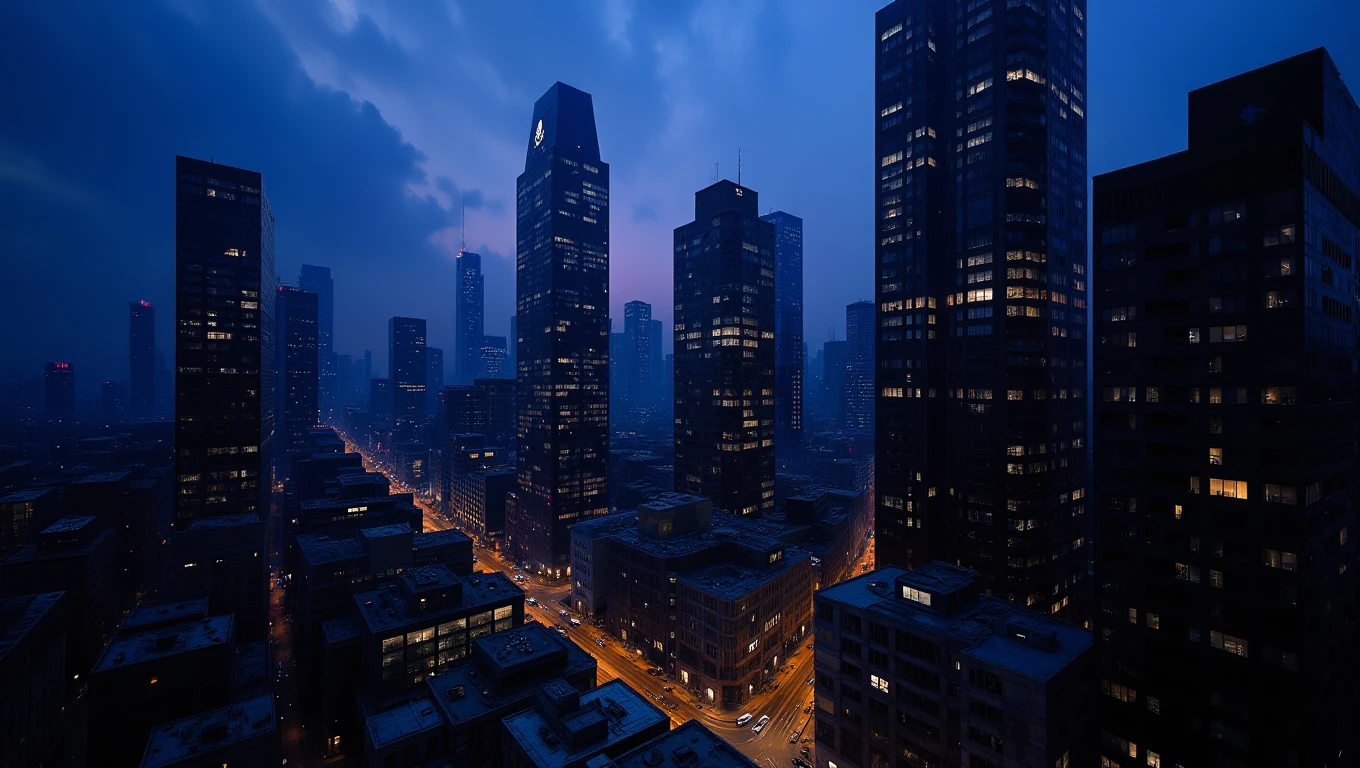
(790, 727)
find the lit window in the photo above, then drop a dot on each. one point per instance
(878, 683)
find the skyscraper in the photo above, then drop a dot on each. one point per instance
(59, 392)
(788, 333)
(491, 357)
(980, 249)
(407, 369)
(834, 356)
(142, 360)
(724, 352)
(637, 360)
(469, 297)
(112, 395)
(317, 280)
(1226, 479)
(512, 348)
(859, 366)
(562, 303)
(434, 378)
(224, 341)
(297, 343)
(658, 384)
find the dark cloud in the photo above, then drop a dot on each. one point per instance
(644, 212)
(472, 198)
(101, 102)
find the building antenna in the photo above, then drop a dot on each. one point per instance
(462, 225)
(739, 166)
(715, 172)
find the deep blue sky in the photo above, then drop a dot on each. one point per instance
(370, 119)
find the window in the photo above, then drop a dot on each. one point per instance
(1118, 692)
(1232, 489)
(1278, 395)
(1154, 621)
(1188, 573)
(1194, 335)
(1281, 494)
(1278, 236)
(1216, 395)
(1227, 333)
(1233, 645)
(1154, 705)
(878, 683)
(1154, 760)
(1216, 456)
(1154, 394)
(1216, 579)
(1285, 561)
(916, 595)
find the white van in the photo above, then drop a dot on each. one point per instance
(760, 724)
(744, 719)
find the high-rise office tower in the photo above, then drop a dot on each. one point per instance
(59, 392)
(380, 401)
(658, 385)
(224, 341)
(317, 280)
(297, 352)
(1226, 480)
(562, 303)
(512, 347)
(859, 366)
(724, 352)
(491, 357)
(834, 356)
(142, 360)
(980, 244)
(406, 368)
(434, 377)
(637, 360)
(788, 333)
(112, 401)
(469, 297)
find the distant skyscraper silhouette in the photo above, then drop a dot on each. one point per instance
(59, 392)
(407, 369)
(834, 357)
(297, 342)
(859, 366)
(469, 297)
(724, 352)
(980, 252)
(637, 355)
(788, 333)
(224, 341)
(434, 378)
(142, 360)
(562, 302)
(314, 279)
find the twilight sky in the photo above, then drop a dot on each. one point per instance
(370, 119)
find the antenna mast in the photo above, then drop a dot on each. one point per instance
(739, 166)
(462, 225)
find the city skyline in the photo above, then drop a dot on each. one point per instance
(1131, 118)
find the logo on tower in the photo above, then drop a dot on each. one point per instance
(538, 133)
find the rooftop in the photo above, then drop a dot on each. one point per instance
(170, 613)
(318, 549)
(339, 630)
(384, 609)
(624, 711)
(222, 521)
(69, 525)
(689, 746)
(728, 581)
(1011, 637)
(104, 477)
(466, 693)
(207, 731)
(430, 539)
(29, 495)
(383, 531)
(410, 719)
(126, 649)
(18, 615)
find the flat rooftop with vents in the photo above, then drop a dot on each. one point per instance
(210, 733)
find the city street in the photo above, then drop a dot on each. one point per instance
(784, 701)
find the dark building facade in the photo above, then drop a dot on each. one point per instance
(407, 369)
(1225, 488)
(562, 304)
(635, 376)
(224, 341)
(317, 280)
(788, 333)
(859, 366)
(724, 352)
(297, 353)
(434, 378)
(980, 244)
(468, 324)
(59, 392)
(142, 360)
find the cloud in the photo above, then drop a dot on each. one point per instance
(617, 16)
(644, 213)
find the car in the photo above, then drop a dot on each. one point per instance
(761, 723)
(599, 641)
(744, 719)
(809, 680)
(805, 752)
(793, 738)
(807, 709)
(801, 763)
(574, 622)
(668, 688)
(531, 601)
(563, 614)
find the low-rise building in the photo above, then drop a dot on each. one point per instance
(567, 728)
(718, 601)
(152, 676)
(238, 734)
(690, 745)
(344, 516)
(833, 526)
(919, 666)
(32, 677)
(23, 514)
(74, 555)
(222, 559)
